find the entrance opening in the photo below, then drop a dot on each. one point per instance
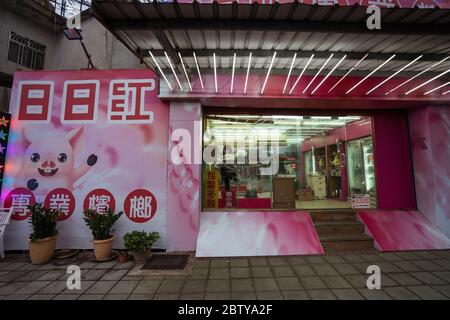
(287, 162)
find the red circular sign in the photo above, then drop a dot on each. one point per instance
(140, 205)
(20, 199)
(99, 200)
(62, 200)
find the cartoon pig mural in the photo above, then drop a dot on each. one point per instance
(49, 161)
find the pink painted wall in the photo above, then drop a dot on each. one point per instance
(393, 168)
(430, 138)
(183, 182)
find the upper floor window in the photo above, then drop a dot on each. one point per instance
(26, 52)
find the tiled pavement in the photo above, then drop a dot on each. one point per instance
(405, 275)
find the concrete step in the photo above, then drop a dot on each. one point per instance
(347, 243)
(322, 216)
(324, 228)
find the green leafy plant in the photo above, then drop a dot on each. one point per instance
(43, 222)
(140, 241)
(101, 223)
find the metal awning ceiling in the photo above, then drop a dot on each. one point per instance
(287, 28)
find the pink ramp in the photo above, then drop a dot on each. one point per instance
(256, 233)
(402, 230)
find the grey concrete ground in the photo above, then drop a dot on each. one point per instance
(405, 275)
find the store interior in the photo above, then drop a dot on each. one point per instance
(287, 161)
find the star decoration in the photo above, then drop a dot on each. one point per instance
(3, 135)
(4, 122)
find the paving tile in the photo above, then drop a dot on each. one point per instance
(239, 262)
(32, 275)
(304, 270)
(32, 287)
(347, 294)
(289, 283)
(353, 258)
(242, 285)
(66, 297)
(88, 265)
(52, 275)
(404, 279)
(390, 256)
(269, 295)
(336, 282)
(85, 285)
(312, 283)
(148, 286)
(426, 255)
(166, 296)
(277, 261)
(407, 255)
(445, 290)
(92, 274)
(400, 293)
(192, 296)
(427, 293)
(16, 276)
(243, 272)
(114, 275)
(296, 260)
(372, 258)
(444, 263)
(124, 266)
(141, 296)
(250, 295)
(171, 286)
(156, 277)
(194, 286)
(261, 272)
(315, 259)
(374, 294)
(346, 269)
(295, 295)
(361, 266)
(201, 263)
(41, 297)
(219, 273)
(325, 270)
(265, 284)
(321, 294)
(334, 259)
(13, 266)
(427, 278)
(101, 287)
(91, 297)
(283, 271)
(55, 287)
(427, 265)
(357, 281)
(106, 265)
(124, 287)
(387, 281)
(215, 285)
(217, 296)
(220, 263)
(17, 297)
(200, 273)
(258, 262)
(442, 253)
(48, 266)
(120, 296)
(388, 267)
(131, 278)
(407, 266)
(444, 275)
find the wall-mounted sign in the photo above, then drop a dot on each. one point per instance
(360, 201)
(212, 189)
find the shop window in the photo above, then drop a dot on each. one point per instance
(288, 162)
(26, 52)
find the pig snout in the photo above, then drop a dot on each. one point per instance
(48, 164)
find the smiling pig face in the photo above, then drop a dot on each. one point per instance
(49, 162)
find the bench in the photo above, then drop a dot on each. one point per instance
(5, 216)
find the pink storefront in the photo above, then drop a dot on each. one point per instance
(262, 129)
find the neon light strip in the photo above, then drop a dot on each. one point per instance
(173, 70)
(426, 82)
(160, 71)
(441, 86)
(304, 68)
(289, 73)
(329, 73)
(375, 70)
(417, 75)
(185, 72)
(215, 71)
(232, 73)
(248, 71)
(348, 72)
(393, 75)
(318, 72)
(268, 72)
(198, 70)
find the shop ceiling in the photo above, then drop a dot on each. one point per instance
(173, 32)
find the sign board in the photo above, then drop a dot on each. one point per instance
(360, 201)
(212, 189)
(87, 140)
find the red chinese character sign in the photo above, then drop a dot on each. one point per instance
(140, 206)
(86, 140)
(20, 199)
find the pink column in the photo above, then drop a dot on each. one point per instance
(183, 181)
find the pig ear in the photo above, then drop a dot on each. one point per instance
(75, 138)
(25, 138)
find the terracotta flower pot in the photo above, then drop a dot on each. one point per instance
(103, 248)
(42, 250)
(123, 257)
(141, 257)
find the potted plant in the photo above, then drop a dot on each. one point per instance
(123, 256)
(42, 240)
(101, 228)
(139, 244)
